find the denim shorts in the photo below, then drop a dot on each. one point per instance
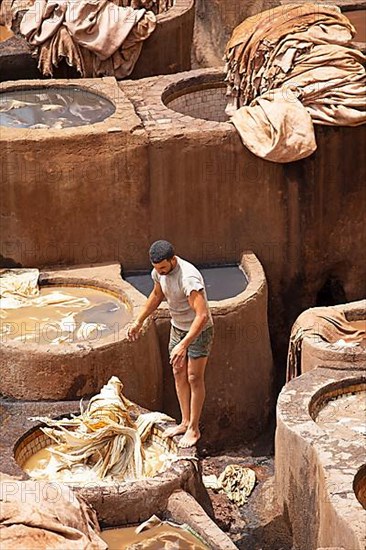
(200, 347)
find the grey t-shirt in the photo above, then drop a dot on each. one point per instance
(177, 286)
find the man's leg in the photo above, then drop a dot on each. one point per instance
(196, 381)
(183, 390)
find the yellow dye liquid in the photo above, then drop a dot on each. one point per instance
(62, 315)
(157, 538)
(43, 465)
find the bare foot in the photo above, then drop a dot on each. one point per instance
(175, 430)
(189, 439)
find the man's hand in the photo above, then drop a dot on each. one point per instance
(133, 331)
(178, 355)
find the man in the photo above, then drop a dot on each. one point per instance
(191, 332)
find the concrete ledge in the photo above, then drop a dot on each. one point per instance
(315, 469)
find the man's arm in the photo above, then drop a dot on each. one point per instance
(198, 303)
(153, 302)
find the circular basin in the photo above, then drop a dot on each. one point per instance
(204, 100)
(53, 107)
(119, 502)
(65, 315)
(344, 415)
(69, 349)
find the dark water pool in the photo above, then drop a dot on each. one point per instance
(221, 282)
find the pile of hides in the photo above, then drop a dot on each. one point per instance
(104, 437)
(288, 68)
(36, 515)
(327, 324)
(236, 481)
(18, 287)
(96, 37)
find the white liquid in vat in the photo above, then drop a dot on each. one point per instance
(55, 107)
(345, 416)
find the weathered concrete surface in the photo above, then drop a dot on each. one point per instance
(182, 507)
(33, 371)
(315, 352)
(315, 469)
(239, 374)
(120, 504)
(166, 51)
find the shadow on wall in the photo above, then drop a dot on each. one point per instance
(331, 293)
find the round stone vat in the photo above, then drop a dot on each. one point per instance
(175, 21)
(205, 100)
(56, 107)
(359, 486)
(116, 504)
(351, 353)
(41, 362)
(240, 368)
(320, 420)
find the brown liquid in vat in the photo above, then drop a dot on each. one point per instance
(358, 20)
(91, 315)
(157, 538)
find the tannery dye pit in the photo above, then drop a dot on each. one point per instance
(62, 315)
(156, 538)
(52, 108)
(222, 282)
